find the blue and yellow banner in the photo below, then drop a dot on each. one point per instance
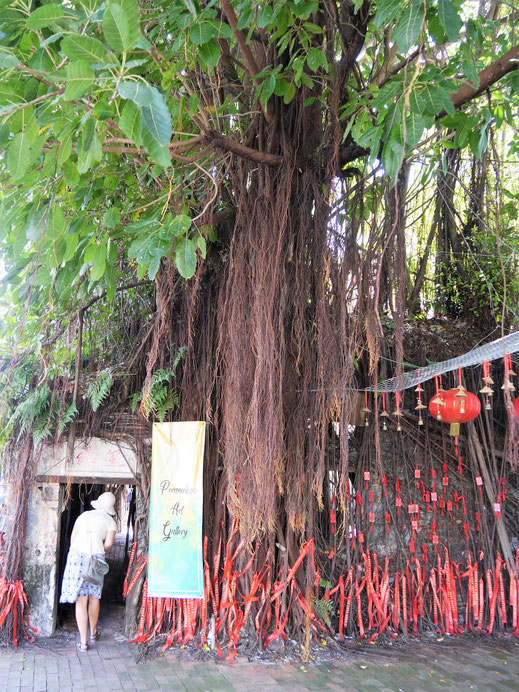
(175, 568)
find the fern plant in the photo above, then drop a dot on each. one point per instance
(159, 398)
(99, 389)
(34, 411)
(67, 418)
(40, 413)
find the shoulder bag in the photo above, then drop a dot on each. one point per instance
(96, 568)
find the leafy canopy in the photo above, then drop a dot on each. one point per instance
(120, 123)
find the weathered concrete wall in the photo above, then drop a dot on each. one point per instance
(40, 556)
(93, 459)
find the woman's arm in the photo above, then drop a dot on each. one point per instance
(109, 540)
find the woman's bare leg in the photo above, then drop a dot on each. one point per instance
(93, 613)
(82, 618)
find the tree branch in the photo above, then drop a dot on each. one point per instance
(228, 144)
(490, 75)
(248, 58)
(487, 77)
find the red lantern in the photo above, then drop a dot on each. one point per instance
(516, 406)
(455, 406)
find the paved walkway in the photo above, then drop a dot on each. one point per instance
(54, 665)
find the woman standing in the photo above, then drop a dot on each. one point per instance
(93, 534)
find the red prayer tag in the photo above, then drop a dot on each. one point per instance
(479, 480)
(434, 497)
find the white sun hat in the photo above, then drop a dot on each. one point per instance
(106, 502)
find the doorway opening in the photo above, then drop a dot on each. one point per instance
(76, 498)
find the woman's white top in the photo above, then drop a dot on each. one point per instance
(92, 527)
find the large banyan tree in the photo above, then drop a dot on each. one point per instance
(236, 212)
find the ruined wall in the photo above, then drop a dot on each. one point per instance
(39, 573)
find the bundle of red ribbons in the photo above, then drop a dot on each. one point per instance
(14, 608)
(368, 600)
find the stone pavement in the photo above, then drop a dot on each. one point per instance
(448, 664)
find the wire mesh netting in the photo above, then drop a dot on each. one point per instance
(495, 349)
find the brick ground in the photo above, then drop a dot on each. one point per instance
(55, 665)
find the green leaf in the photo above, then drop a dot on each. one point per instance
(185, 257)
(4, 134)
(180, 225)
(264, 16)
(79, 47)
(414, 127)
(139, 249)
(202, 33)
(9, 97)
(72, 243)
(98, 263)
(57, 224)
(37, 223)
(408, 27)
(387, 95)
(267, 88)
(209, 53)
(18, 155)
(449, 18)
(64, 151)
(289, 93)
(387, 10)
(433, 99)
(7, 15)
(153, 266)
(88, 148)
(8, 60)
(111, 217)
(132, 13)
(103, 110)
(315, 59)
(156, 120)
(190, 6)
(464, 130)
(130, 122)
(478, 140)
(117, 30)
(80, 78)
(392, 154)
(43, 16)
(70, 174)
(200, 241)
(159, 153)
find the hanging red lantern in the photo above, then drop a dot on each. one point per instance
(455, 406)
(515, 402)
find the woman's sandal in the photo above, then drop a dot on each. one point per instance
(95, 637)
(82, 647)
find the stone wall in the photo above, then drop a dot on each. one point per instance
(40, 563)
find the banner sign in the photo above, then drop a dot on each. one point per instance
(175, 568)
